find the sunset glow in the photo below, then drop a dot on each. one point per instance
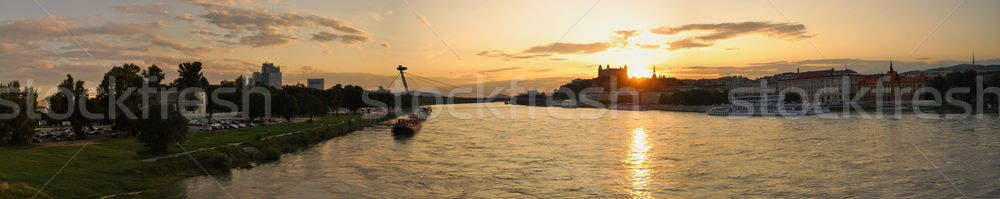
(499, 99)
(361, 43)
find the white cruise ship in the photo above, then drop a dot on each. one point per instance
(769, 106)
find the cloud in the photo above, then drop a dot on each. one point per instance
(549, 50)
(687, 43)
(336, 24)
(162, 41)
(728, 30)
(499, 70)
(185, 17)
(509, 56)
(142, 9)
(569, 48)
(649, 46)
(863, 66)
(327, 36)
(114, 28)
(386, 45)
(258, 27)
(704, 35)
(622, 38)
(49, 47)
(267, 39)
(354, 39)
(721, 31)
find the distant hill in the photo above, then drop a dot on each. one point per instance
(501, 96)
(421, 94)
(964, 67)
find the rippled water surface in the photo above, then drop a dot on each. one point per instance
(656, 155)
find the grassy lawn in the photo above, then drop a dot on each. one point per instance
(202, 139)
(113, 166)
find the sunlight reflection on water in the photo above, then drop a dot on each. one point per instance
(638, 162)
(657, 155)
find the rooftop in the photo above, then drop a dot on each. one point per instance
(822, 73)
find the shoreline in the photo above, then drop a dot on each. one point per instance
(118, 168)
(868, 108)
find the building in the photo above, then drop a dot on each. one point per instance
(813, 81)
(316, 83)
(889, 85)
(269, 75)
(604, 73)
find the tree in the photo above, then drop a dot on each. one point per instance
(125, 77)
(60, 103)
(158, 132)
(153, 76)
(995, 81)
(257, 105)
(19, 129)
(285, 105)
(351, 97)
(190, 75)
(334, 96)
(939, 83)
(696, 97)
(311, 105)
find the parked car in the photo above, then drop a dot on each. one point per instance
(70, 136)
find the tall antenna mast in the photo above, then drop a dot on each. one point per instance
(401, 69)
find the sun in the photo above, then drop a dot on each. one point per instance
(640, 61)
(638, 71)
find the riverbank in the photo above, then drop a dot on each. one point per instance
(114, 166)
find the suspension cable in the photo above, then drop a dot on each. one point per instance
(390, 83)
(432, 80)
(436, 83)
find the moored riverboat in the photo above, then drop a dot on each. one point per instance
(406, 126)
(768, 106)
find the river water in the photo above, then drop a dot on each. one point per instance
(529, 152)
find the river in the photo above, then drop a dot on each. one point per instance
(528, 152)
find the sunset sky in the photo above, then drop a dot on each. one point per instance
(546, 43)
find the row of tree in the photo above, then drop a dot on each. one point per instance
(963, 79)
(16, 126)
(75, 103)
(696, 97)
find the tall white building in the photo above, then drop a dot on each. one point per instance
(269, 75)
(315, 83)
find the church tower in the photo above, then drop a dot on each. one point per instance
(890, 66)
(654, 72)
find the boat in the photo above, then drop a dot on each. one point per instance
(768, 106)
(563, 104)
(406, 126)
(421, 113)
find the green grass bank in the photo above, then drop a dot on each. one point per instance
(116, 167)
